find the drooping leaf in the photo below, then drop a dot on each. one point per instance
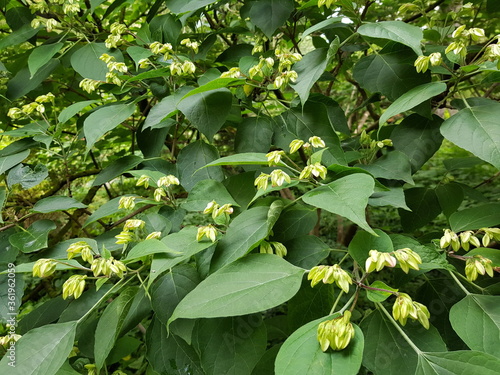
(166, 108)
(394, 197)
(450, 197)
(34, 238)
(475, 129)
(487, 215)
(165, 28)
(23, 82)
(206, 191)
(347, 197)
(86, 62)
(56, 203)
(301, 354)
(26, 176)
(116, 168)
(41, 351)
(9, 161)
(105, 119)
(424, 207)
(392, 166)
(18, 36)
(397, 31)
(73, 109)
(460, 362)
(268, 15)
(254, 283)
(41, 55)
(309, 69)
(254, 134)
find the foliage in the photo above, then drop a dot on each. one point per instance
(176, 172)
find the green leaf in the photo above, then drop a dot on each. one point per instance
(412, 98)
(363, 242)
(394, 165)
(487, 215)
(18, 36)
(149, 247)
(66, 369)
(56, 203)
(475, 129)
(301, 354)
(309, 69)
(42, 351)
(26, 176)
(397, 31)
(192, 158)
(390, 72)
(295, 221)
(116, 168)
(252, 284)
(306, 251)
(205, 192)
(110, 323)
(395, 356)
(254, 134)
(476, 319)
(124, 346)
(225, 349)
(34, 238)
(167, 107)
(3, 195)
(10, 161)
(165, 28)
(215, 84)
(43, 314)
(309, 304)
(244, 233)
(107, 209)
(138, 53)
(347, 197)
(450, 197)
(461, 163)
(23, 82)
(86, 62)
(321, 25)
(41, 55)
(105, 119)
(208, 110)
(424, 207)
(491, 254)
(246, 158)
(73, 109)
(460, 362)
(394, 197)
(268, 15)
(183, 6)
(419, 138)
(379, 295)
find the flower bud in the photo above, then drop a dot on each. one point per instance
(403, 308)
(44, 267)
(153, 235)
(274, 157)
(279, 249)
(208, 231)
(295, 145)
(422, 64)
(278, 177)
(124, 237)
(458, 31)
(134, 224)
(127, 203)
(265, 248)
(262, 181)
(317, 142)
(378, 260)
(408, 259)
(78, 248)
(74, 286)
(435, 59)
(116, 266)
(478, 265)
(159, 193)
(336, 333)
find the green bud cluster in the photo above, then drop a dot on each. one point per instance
(336, 333)
(208, 231)
(82, 248)
(476, 265)
(329, 275)
(404, 307)
(74, 286)
(267, 248)
(108, 267)
(457, 241)
(44, 267)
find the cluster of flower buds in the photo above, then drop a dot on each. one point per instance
(6, 340)
(74, 286)
(408, 259)
(490, 234)
(462, 39)
(463, 240)
(317, 142)
(49, 23)
(316, 169)
(108, 267)
(178, 69)
(190, 44)
(218, 211)
(408, 7)
(378, 260)
(274, 157)
(115, 38)
(336, 333)
(476, 265)
(162, 183)
(283, 78)
(286, 58)
(81, 248)
(89, 85)
(234, 72)
(404, 307)
(267, 248)
(127, 203)
(278, 177)
(208, 231)
(327, 3)
(263, 68)
(127, 235)
(422, 62)
(329, 275)
(314, 141)
(44, 267)
(27, 109)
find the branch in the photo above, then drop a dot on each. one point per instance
(136, 212)
(73, 177)
(428, 9)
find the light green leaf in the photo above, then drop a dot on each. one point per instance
(215, 84)
(149, 247)
(73, 109)
(397, 31)
(116, 168)
(207, 110)
(105, 119)
(476, 129)
(347, 197)
(41, 351)
(56, 203)
(301, 354)
(245, 158)
(138, 53)
(460, 362)
(41, 55)
(412, 98)
(86, 60)
(166, 108)
(26, 176)
(476, 319)
(392, 166)
(487, 215)
(394, 197)
(183, 6)
(10, 161)
(66, 369)
(363, 242)
(34, 238)
(309, 69)
(321, 25)
(379, 295)
(110, 323)
(107, 209)
(252, 284)
(205, 192)
(268, 15)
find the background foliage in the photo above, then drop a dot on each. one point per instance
(122, 121)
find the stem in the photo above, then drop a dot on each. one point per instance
(459, 283)
(346, 306)
(336, 302)
(396, 325)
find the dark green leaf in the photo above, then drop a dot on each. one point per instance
(116, 168)
(34, 238)
(183, 6)
(56, 203)
(294, 222)
(254, 134)
(268, 15)
(461, 362)
(73, 109)
(397, 31)
(26, 176)
(306, 251)
(321, 25)
(86, 60)
(165, 28)
(394, 165)
(487, 215)
(450, 197)
(18, 36)
(217, 83)
(309, 304)
(10, 161)
(41, 55)
(205, 192)
(46, 313)
(309, 69)
(424, 207)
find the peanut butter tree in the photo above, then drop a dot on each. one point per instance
(249, 187)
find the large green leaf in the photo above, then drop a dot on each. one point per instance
(395, 356)
(412, 98)
(246, 158)
(252, 284)
(73, 109)
(347, 197)
(183, 6)
(149, 247)
(476, 319)
(476, 129)
(309, 69)
(391, 72)
(167, 107)
(34, 238)
(26, 176)
(254, 134)
(206, 191)
(46, 313)
(461, 362)
(231, 346)
(110, 323)
(56, 203)
(18, 36)
(42, 351)
(301, 354)
(107, 209)
(306, 251)
(208, 110)
(268, 15)
(486, 215)
(424, 207)
(105, 119)
(294, 222)
(363, 242)
(86, 60)
(116, 168)
(310, 304)
(23, 82)
(394, 197)
(244, 233)
(397, 31)
(450, 197)
(193, 157)
(41, 55)
(418, 137)
(392, 166)
(10, 161)
(217, 83)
